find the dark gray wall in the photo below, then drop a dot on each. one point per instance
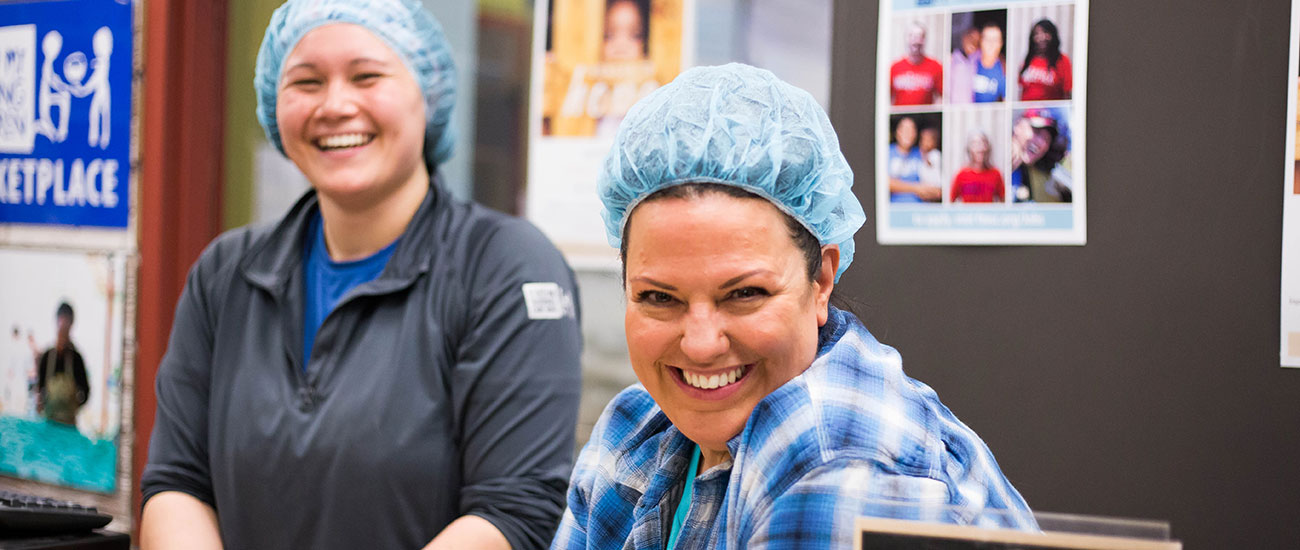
(1138, 375)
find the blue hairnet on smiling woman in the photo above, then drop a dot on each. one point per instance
(764, 417)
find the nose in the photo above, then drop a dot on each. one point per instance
(704, 335)
(339, 100)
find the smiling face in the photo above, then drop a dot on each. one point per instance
(990, 43)
(351, 115)
(624, 32)
(1032, 143)
(1041, 39)
(721, 311)
(905, 133)
(915, 41)
(977, 148)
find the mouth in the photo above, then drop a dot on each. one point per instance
(343, 141)
(714, 381)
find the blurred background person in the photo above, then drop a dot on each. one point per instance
(1039, 157)
(61, 384)
(978, 181)
(1046, 73)
(915, 79)
(990, 81)
(962, 69)
(930, 171)
(386, 366)
(905, 166)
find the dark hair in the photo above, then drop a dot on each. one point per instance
(804, 240)
(1053, 45)
(65, 310)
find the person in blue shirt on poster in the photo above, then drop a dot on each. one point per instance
(905, 166)
(765, 417)
(990, 83)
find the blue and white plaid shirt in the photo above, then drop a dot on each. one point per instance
(851, 436)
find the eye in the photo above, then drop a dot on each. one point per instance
(366, 78)
(654, 298)
(748, 293)
(305, 83)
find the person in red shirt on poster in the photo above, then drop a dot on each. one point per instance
(1046, 72)
(978, 181)
(915, 79)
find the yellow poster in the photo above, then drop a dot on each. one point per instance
(595, 59)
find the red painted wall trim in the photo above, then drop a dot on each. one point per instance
(181, 182)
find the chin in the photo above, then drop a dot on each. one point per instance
(709, 430)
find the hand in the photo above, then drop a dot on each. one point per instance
(929, 193)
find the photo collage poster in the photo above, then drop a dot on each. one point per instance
(1290, 337)
(593, 59)
(980, 110)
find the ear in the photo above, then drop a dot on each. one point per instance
(825, 282)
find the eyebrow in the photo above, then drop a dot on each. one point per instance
(729, 282)
(353, 63)
(734, 280)
(655, 283)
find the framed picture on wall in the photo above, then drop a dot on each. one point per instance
(980, 111)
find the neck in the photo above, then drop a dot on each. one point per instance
(915, 58)
(710, 457)
(988, 60)
(355, 231)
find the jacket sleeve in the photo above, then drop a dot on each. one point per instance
(516, 381)
(178, 448)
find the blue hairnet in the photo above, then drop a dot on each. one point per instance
(734, 125)
(404, 25)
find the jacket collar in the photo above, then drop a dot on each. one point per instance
(275, 257)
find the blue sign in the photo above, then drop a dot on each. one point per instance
(65, 112)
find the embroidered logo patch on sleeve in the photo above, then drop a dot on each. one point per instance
(547, 301)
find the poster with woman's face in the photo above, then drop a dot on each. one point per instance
(601, 56)
(594, 59)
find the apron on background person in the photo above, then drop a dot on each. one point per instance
(60, 397)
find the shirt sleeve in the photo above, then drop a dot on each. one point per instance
(819, 510)
(938, 80)
(79, 376)
(846, 489)
(516, 383)
(572, 533)
(178, 448)
(1067, 74)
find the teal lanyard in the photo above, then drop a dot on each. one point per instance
(684, 504)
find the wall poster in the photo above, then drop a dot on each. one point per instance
(980, 110)
(65, 113)
(1290, 352)
(62, 314)
(593, 59)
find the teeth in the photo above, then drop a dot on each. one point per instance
(343, 141)
(708, 382)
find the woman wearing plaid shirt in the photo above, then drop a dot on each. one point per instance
(764, 417)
